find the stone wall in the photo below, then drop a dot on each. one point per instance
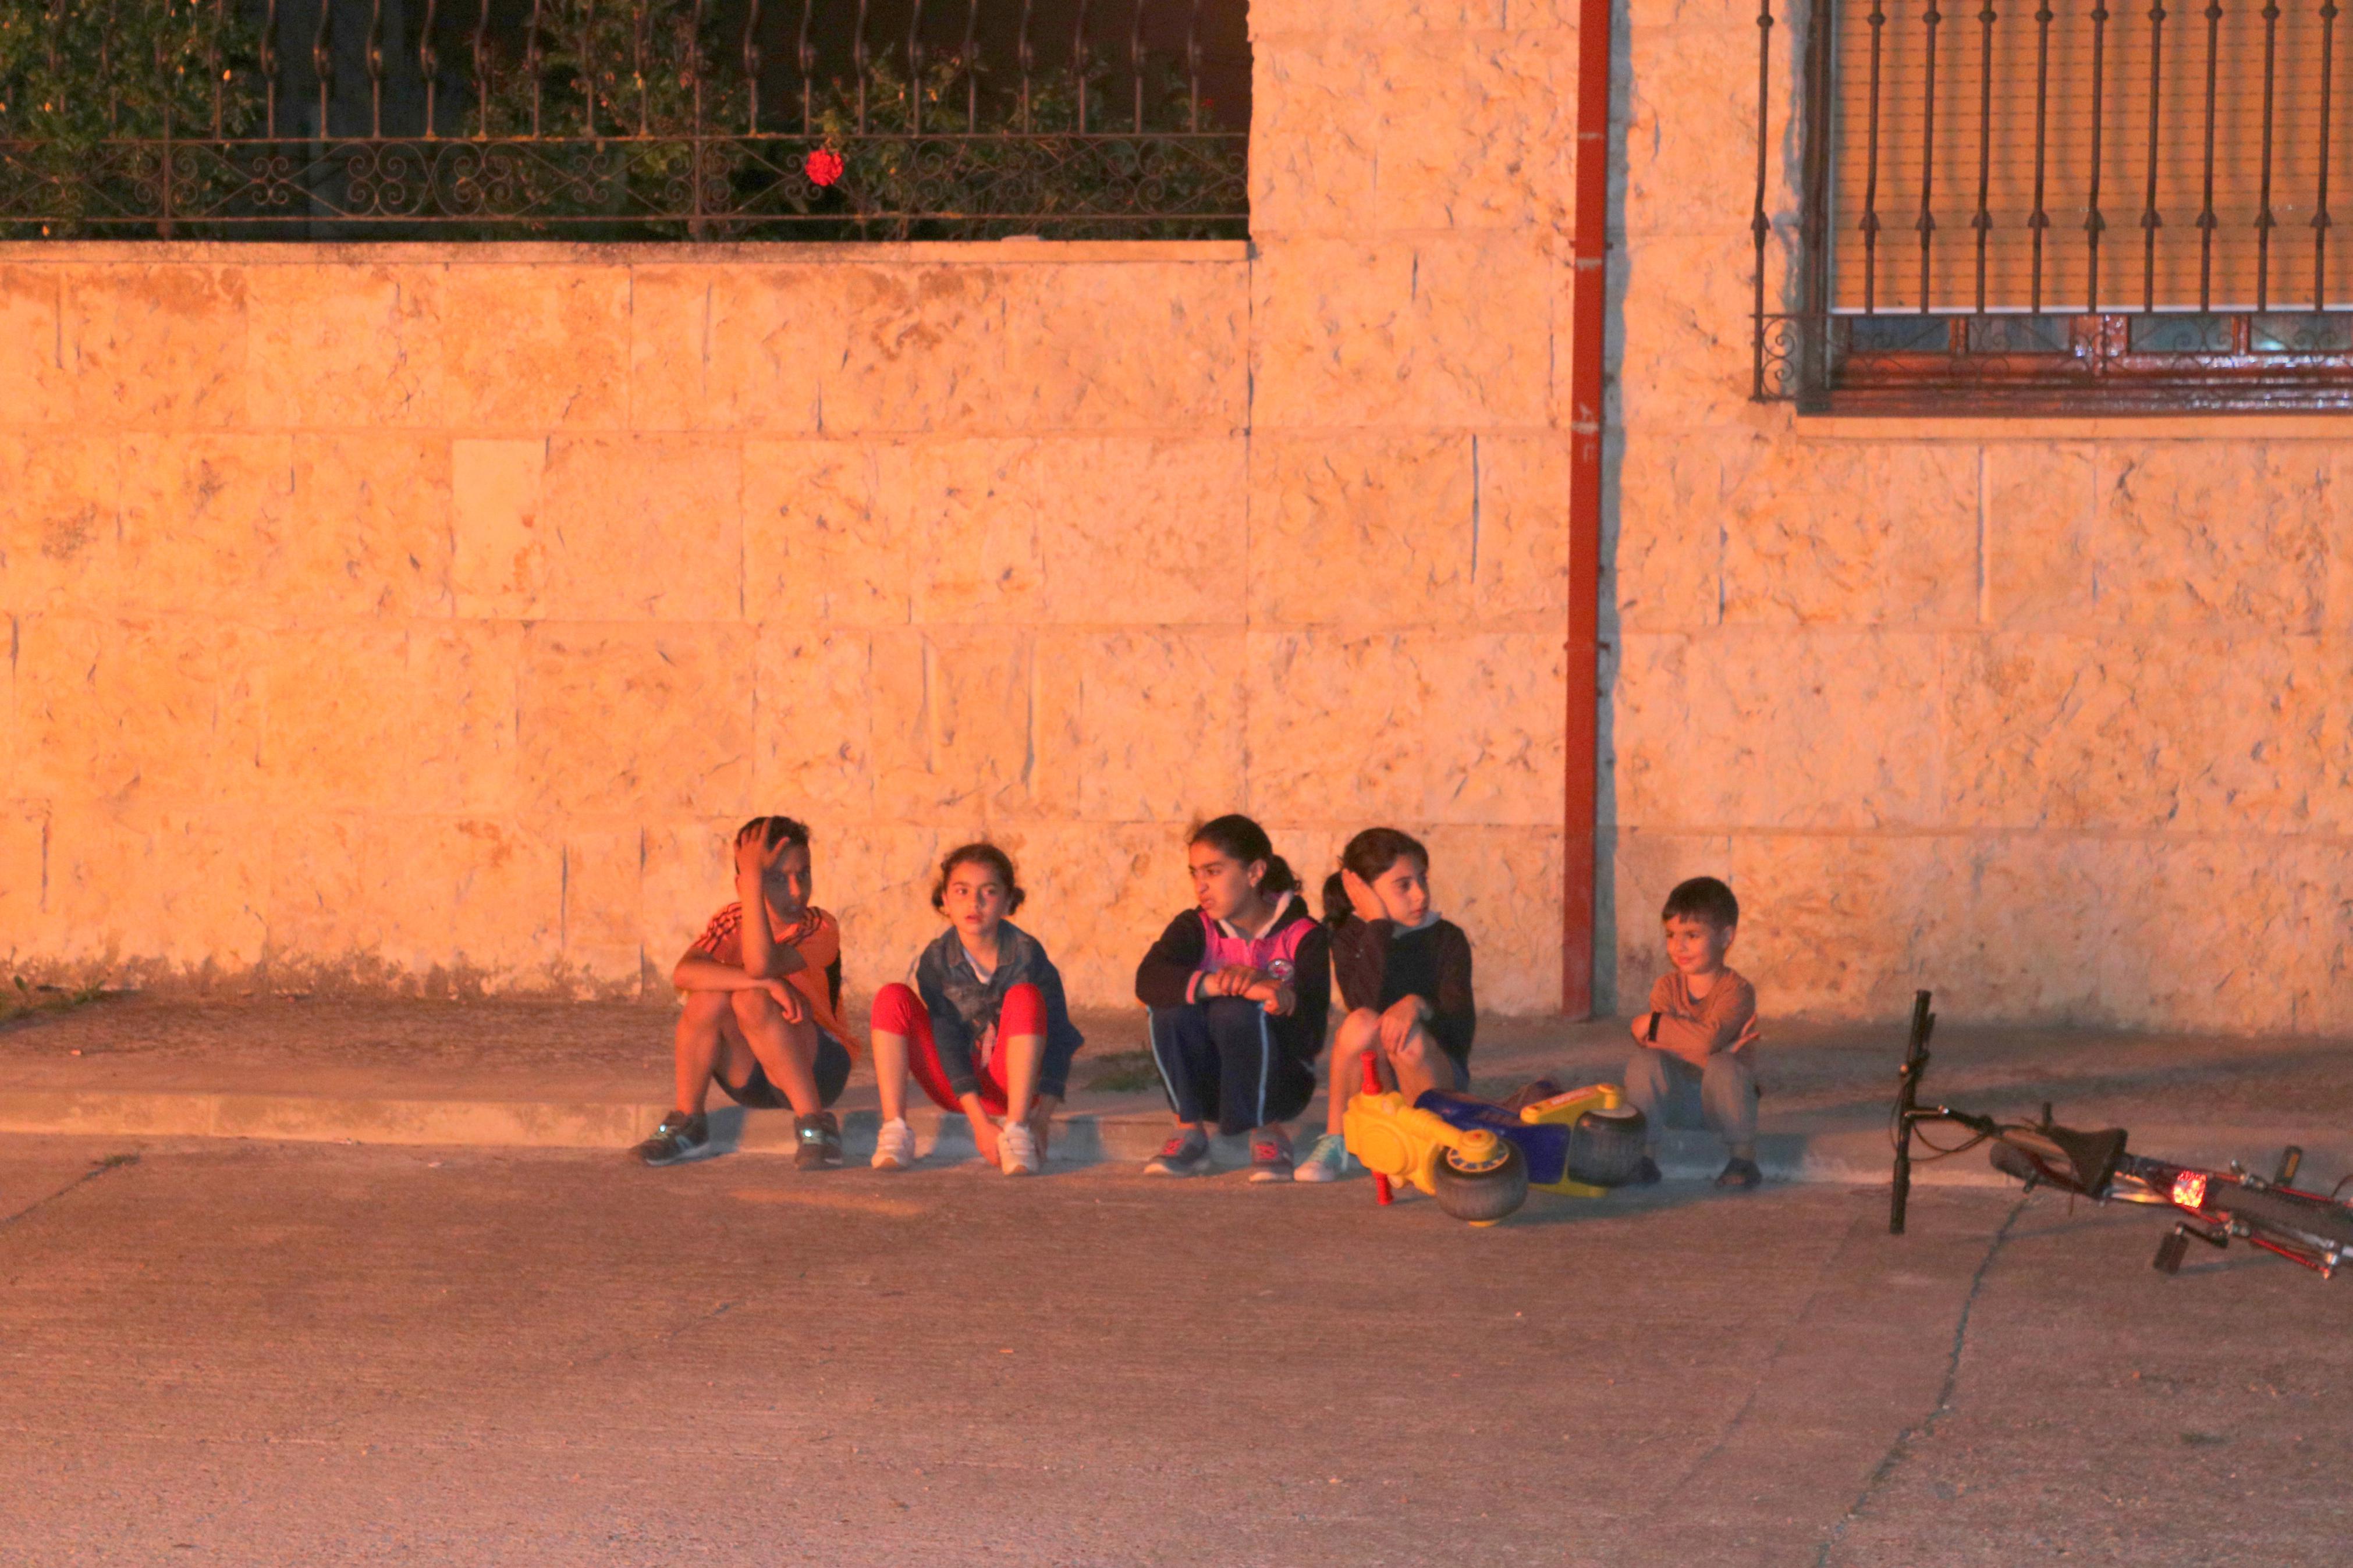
(2055, 718)
(427, 618)
(1411, 180)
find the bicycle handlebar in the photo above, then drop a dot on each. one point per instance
(1907, 1108)
(2305, 1227)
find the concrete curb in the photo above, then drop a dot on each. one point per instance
(1848, 1157)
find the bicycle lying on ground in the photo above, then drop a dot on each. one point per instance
(2314, 1229)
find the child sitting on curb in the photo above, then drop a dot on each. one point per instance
(763, 983)
(1405, 977)
(1693, 1062)
(984, 1030)
(1238, 989)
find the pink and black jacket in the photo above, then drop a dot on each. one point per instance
(1296, 949)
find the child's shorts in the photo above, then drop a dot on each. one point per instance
(832, 1069)
(899, 1011)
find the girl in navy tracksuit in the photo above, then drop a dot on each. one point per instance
(1237, 987)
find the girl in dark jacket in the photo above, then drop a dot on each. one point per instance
(1238, 987)
(1405, 979)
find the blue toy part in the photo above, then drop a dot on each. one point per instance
(1544, 1145)
(1581, 1141)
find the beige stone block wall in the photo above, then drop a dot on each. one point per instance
(1412, 174)
(428, 619)
(2047, 715)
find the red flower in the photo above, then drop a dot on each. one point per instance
(823, 167)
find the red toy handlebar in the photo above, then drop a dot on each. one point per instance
(1381, 1193)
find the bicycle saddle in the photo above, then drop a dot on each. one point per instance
(2091, 1158)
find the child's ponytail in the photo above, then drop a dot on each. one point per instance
(1338, 906)
(1246, 841)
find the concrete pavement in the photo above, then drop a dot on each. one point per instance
(251, 1352)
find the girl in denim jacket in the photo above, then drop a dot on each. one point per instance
(984, 1029)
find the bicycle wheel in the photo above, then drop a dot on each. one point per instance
(2316, 1221)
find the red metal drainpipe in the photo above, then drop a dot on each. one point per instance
(1588, 327)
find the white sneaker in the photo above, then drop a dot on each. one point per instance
(1017, 1150)
(894, 1146)
(1327, 1162)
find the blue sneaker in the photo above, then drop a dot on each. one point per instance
(1328, 1161)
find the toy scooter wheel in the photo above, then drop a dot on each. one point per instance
(1480, 1192)
(1605, 1147)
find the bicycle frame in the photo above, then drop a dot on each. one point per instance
(2305, 1228)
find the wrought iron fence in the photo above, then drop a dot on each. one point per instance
(704, 120)
(2052, 209)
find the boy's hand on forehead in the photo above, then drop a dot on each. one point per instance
(755, 859)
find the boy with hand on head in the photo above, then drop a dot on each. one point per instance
(1694, 1061)
(762, 988)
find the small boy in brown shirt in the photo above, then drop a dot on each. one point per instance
(1693, 1062)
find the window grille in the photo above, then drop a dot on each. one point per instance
(2061, 205)
(720, 120)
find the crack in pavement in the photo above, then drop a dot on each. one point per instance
(112, 1163)
(1822, 1273)
(1901, 1449)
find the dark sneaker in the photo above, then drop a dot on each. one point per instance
(680, 1137)
(1186, 1154)
(1740, 1176)
(1269, 1158)
(1646, 1175)
(820, 1141)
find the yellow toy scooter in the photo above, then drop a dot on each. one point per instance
(1478, 1159)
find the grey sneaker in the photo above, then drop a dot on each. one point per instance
(1270, 1158)
(1326, 1161)
(820, 1141)
(680, 1137)
(1186, 1154)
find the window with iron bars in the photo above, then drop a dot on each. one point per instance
(2061, 207)
(623, 120)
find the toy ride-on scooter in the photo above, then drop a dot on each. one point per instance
(1479, 1158)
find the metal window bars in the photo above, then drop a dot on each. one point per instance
(2008, 155)
(708, 119)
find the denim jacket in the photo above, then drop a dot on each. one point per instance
(964, 1007)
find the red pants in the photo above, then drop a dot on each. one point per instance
(899, 1011)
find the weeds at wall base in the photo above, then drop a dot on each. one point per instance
(25, 999)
